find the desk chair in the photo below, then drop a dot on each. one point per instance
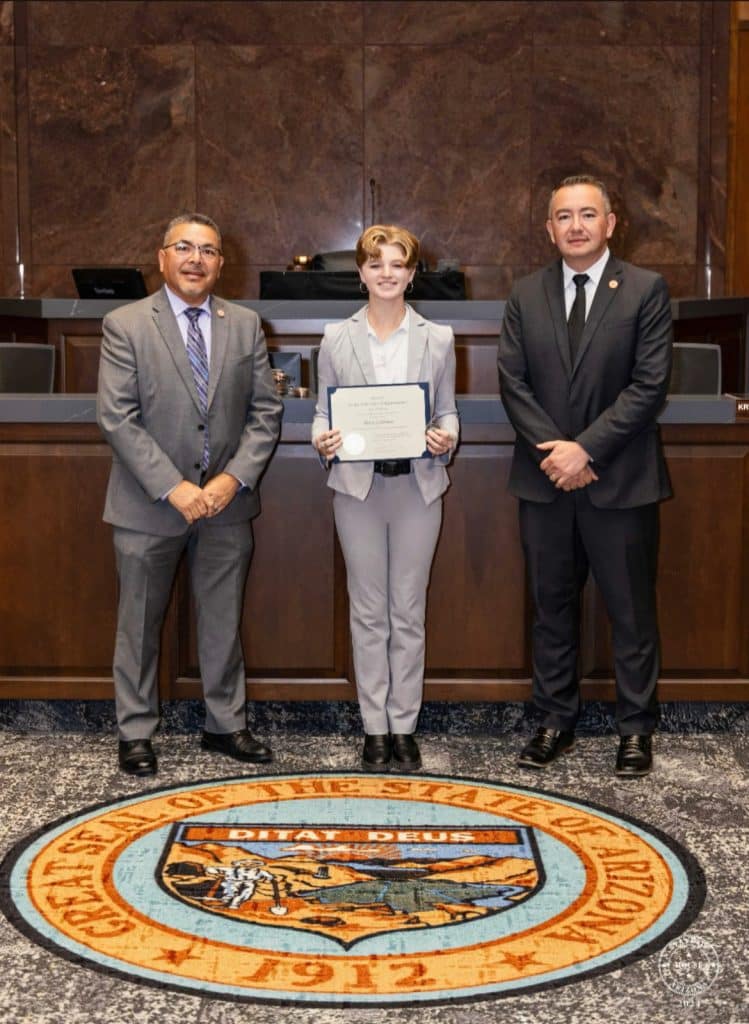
(27, 369)
(696, 369)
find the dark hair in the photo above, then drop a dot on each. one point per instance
(192, 218)
(582, 179)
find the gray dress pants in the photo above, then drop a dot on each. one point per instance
(218, 559)
(388, 542)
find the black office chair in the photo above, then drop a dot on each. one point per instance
(696, 369)
(27, 369)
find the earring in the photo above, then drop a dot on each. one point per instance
(409, 287)
(362, 288)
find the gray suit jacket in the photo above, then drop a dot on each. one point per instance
(149, 412)
(608, 401)
(345, 359)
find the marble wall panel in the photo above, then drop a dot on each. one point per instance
(716, 54)
(8, 158)
(274, 116)
(128, 23)
(628, 115)
(112, 141)
(447, 23)
(587, 23)
(279, 149)
(450, 150)
(6, 22)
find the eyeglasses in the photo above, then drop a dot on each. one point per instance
(185, 248)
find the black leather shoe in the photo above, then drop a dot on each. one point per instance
(545, 747)
(406, 756)
(635, 755)
(137, 757)
(376, 753)
(239, 745)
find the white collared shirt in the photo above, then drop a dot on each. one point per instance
(179, 306)
(594, 276)
(390, 357)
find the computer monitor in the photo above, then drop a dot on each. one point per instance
(109, 283)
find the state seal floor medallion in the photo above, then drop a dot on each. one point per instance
(343, 889)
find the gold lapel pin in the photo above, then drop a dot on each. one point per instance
(220, 312)
(613, 284)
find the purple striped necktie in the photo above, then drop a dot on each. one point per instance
(196, 353)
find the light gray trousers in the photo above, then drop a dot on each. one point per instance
(388, 542)
(218, 559)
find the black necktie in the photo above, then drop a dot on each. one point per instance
(576, 321)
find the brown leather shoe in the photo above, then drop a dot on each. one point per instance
(545, 747)
(406, 755)
(376, 754)
(635, 756)
(240, 745)
(136, 757)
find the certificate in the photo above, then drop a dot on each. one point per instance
(380, 421)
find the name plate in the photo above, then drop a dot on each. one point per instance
(742, 406)
(380, 421)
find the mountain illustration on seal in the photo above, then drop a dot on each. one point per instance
(349, 892)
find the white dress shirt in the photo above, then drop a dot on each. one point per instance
(390, 357)
(594, 276)
(179, 306)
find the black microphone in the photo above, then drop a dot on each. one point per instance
(372, 184)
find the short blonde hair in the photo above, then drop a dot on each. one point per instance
(368, 246)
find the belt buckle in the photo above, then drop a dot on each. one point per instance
(393, 467)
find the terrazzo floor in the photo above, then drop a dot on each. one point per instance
(56, 758)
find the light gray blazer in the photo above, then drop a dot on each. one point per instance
(345, 359)
(149, 412)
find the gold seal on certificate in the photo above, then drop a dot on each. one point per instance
(380, 421)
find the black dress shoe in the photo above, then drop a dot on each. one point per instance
(406, 756)
(545, 747)
(635, 755)
(239, 745)
(376, 753)
(137, 757)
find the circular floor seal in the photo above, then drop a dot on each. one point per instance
(351, 890)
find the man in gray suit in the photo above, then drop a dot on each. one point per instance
(584, 364)
(187, 403)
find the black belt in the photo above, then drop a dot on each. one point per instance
(393, 467)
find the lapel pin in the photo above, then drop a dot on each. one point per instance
(220, 312)
(613, 284)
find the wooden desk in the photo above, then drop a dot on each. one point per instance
(74, 328)
(58, 594)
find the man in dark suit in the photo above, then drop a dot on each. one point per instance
(188, 405)
(584, 364)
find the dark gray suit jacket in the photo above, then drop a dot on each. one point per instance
(149, 412)
(608, 401)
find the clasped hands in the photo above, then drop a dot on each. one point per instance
(193, 502)
(438, 442)
(567, 465)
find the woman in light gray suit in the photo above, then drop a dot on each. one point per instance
(388, 514)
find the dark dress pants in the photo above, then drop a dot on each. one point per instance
(563, 540)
